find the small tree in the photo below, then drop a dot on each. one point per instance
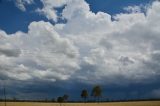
(14, 99)
(53, 100)
(65, 97)
(60, 100)
(84, 94)
(96, 92)
(46, 100)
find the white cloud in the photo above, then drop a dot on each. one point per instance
(44, 54)
(49, 6)
(89, 47)
(136, 9)
(75, 8)
(9, 51)
(21, 4)
(72, 6)
(132, 36)
(133, 9)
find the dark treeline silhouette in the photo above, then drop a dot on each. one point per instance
(88, 101)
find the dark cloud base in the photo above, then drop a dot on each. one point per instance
(48, 90)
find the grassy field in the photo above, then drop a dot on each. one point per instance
(144, 103)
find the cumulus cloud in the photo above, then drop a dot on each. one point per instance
(116, 50)
(9, 51)
(133, 9)
(71, 6)
(137, 8)
(21, 4)
(43, 54)
(49, 10)
(90, 47)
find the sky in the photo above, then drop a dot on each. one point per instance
(53, 47)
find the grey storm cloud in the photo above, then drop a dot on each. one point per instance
(9, 52)
(126, 60)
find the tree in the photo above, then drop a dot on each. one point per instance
(46, 100)
(60, 100)
(96, 92)
(84, 94)
(53, 100)
(14, 99)
(65, 97)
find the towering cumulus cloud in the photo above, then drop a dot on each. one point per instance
(39, 54)
(89, 47)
